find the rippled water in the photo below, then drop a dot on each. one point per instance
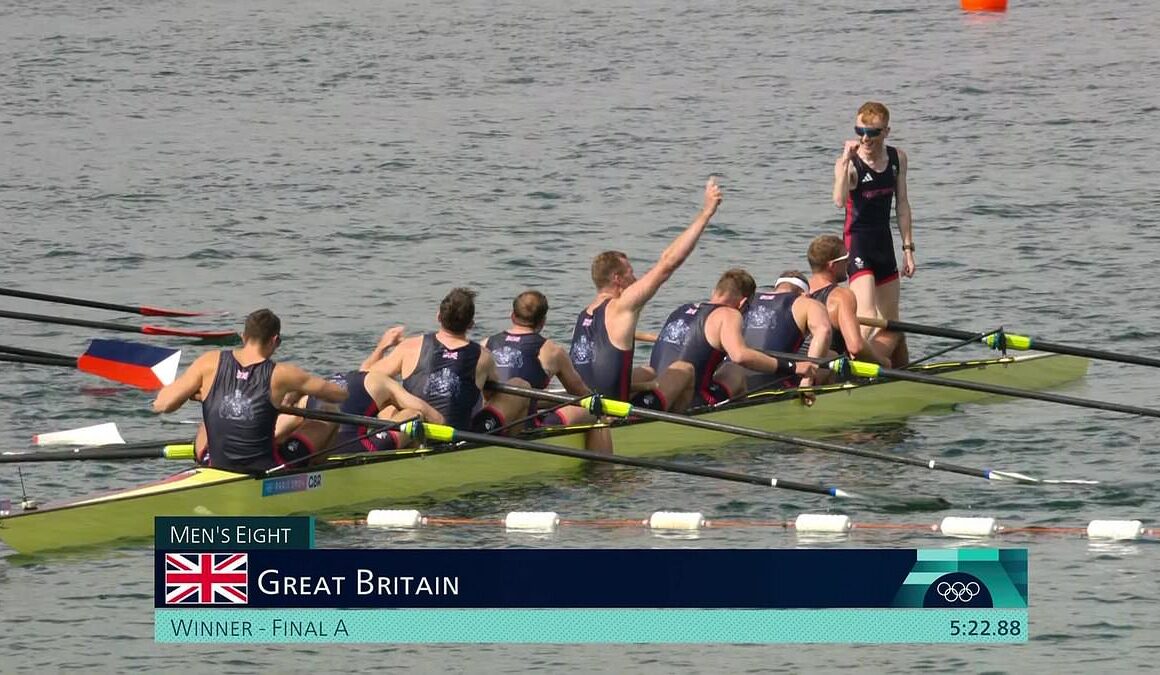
(346, 164)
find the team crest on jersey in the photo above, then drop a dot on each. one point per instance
(508, 357)
(442, 382)
(760, 317)
(581, 352)
(235, 406)
(675, 332)
(448, 354)
(859, 262)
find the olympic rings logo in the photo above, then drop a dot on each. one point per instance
(958, 591)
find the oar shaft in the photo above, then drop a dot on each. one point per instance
(61, 361)
(674, 467)
(68, 321)
(155, 451)
(446, 434)
(724, 427)
(95, 304)
(4, 349)
(1012, 341)
(862, 369)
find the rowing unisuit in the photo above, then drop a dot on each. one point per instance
(837, 342)
(239, 415)
(683, 339)
(606, 369)
(867, 230)
(445, 378)
(770, 326)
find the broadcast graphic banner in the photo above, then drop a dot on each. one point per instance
(210, 588)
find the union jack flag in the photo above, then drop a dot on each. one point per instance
(206, 578)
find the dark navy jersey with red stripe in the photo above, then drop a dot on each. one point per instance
(683, 339)
(606, 369)
(867, 229)
(445, 378)
(770, 326)
(239, 416)
(837, 342)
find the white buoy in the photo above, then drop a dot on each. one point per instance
(532, 521)
(958, 526)
(822, 522)
(403, 519)
(1115, 529)
(676, 520)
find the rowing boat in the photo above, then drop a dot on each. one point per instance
(348, 484)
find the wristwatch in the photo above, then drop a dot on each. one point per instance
(908, 247)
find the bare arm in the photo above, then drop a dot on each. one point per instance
(406, 399)
(905, 225)
(390, 338)
(176, 393)
(485, 370)
(293, 378)
(561, 367)
(642, 336)
(635, 296)
(844, 173)
(852, 331)
(733, 342)
(818, 324)
(392, 364)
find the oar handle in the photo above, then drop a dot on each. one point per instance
(873, 321)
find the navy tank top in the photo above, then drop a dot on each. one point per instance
(518, 355)
(605, 369)
(837, 342)
(683, 339)
(868, 204)
(769, 323)
(445, 378)
(239, 416)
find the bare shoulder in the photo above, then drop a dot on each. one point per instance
(901, 157)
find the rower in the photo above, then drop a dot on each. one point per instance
(868, 177)
(368, 395)
(524, 356)
(239, 390)
(827, 256)
(448, 371)
(778, 319)
(603, 339)
(695, 340)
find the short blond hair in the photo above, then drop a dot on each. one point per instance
(823, 249)
(607, 265)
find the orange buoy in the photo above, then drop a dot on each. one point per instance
(984, 5)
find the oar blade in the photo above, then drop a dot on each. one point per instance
(212, 335)
(97, 434)
(146, 310)
(142, 366)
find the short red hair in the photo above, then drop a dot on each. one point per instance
(873, 110)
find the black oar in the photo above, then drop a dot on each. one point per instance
(213, 335)
(624, 409)
(47, 360)
(181, 449)
(444, 434)
(1010, 341)
(873, 370)
(143, 310)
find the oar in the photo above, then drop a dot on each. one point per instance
(625, 409)
(97, 434)
(873, 370)
(152, 450)
(1011, 341)
(444, 434)
(142, 366)
(212, 335)
(143, 310)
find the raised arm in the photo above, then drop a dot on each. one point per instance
(390, 338)
(392, 364)
(905, 225)
(639, 293)
(176, 393)
(844, 173)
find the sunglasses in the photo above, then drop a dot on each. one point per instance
(869, 132)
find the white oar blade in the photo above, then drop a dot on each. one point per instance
(166, 371)
(98, 434)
